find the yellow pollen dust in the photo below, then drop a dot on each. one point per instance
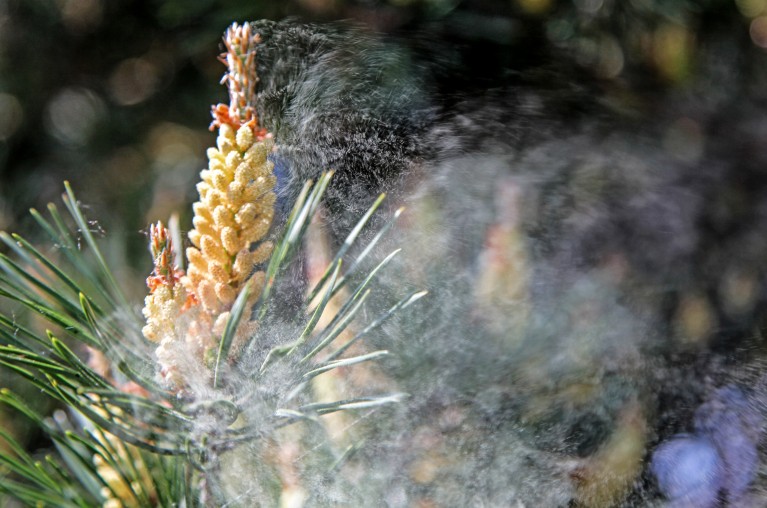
(234, 213)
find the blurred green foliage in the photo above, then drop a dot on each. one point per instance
(115, 95)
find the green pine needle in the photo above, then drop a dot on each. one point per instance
(73, 291)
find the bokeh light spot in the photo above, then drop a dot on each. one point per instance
(80, 16)
(672, 51)
(11, 115)
(72, 114)
(694, 319)
(320, 6)
(559, 30)
(534, 6)
(611, 60)
(133, 81)
(5, 26)
(684, 140)
(6, 216)
(758, 31)
(739, 291)
(604, 55)
(589, 6)
(175, 158)
(751, 8)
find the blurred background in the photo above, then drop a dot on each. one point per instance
(115, 95)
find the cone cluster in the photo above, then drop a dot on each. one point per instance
(186, 312)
